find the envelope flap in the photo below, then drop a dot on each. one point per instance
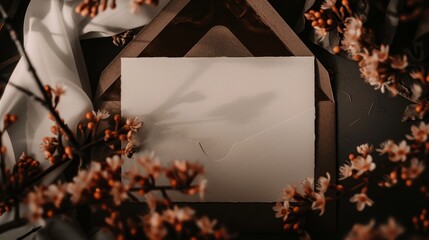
(254, 24)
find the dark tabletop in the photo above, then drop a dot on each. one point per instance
(363, 115)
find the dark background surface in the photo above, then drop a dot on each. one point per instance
(357, 121)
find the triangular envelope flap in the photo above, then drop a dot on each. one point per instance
(213, 45)
(272, 34)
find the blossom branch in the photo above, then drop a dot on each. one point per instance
(32, 70)
(32, 231)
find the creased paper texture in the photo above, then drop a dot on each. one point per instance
(250, 121)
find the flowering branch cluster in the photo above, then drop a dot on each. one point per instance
(295, 206)
(404, 162)
(102, 189)
(381, 69)
(387, 231)
(93, 7)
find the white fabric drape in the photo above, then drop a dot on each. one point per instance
(52, 31)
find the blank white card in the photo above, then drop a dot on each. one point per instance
(249, 121)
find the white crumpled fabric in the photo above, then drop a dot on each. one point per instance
(52, 31)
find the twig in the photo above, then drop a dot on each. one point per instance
(32, 70)
(370, 108)
(348, 95)
(35, 229)
(2, 160)
(28, 93)
(356, 121)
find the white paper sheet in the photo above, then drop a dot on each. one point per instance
(250, 121)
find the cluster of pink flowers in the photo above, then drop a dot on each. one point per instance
(405, 160)
(378, 67)
(175, 223)
(102, 189)
(387, 231)
(294, 204)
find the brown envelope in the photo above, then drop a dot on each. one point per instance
(214, 28)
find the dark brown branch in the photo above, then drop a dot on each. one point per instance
(32, 70)
(2, 160)
(27, 92)
(35, 229)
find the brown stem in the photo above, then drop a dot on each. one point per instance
(35, 229)
(32, 70)
(2, 160)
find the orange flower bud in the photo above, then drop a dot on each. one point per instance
(54, 130)
(90, 125)
(50, 214)
(178, 227)
(296, 226)
(287, 227)
(317, 14)
(89, 115)
(296, 209)
(68, 150)
(336, 49)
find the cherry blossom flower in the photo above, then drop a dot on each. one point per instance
(181, 165)
(100, 115)
(365, 149)
(134, 124)
(386, 147)
(153, 226)
(399, 152)
(81, 182)
(361, 231)
(119, 193)
(178, 214)
(321, 33)
(114, 162)
(352, 34)
(362, 200)
(420, 133)
(382, 54)
(151, 164)
(35, 200)
(391, 230)
(328, 4)
(416, 91)
(308, 186)
(282, 210)
(399, 62)
(319, 202)
(323, 183)
(346, 171)
(60, 89)
(288, 192)
(415, 170)
(206, 225)
(57, 193)
(363, 164)
(417, 74)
